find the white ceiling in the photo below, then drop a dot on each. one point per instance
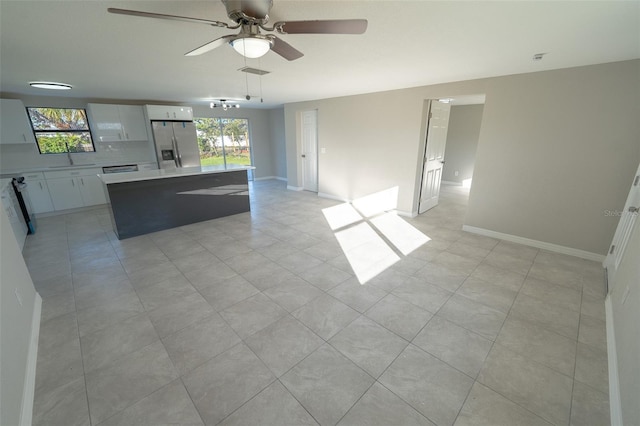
(407, 44)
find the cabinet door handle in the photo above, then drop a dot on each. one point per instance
(73, 182)
(126, 136)
(40, 185)
(82, 181)
(120, 136)
(24, 137)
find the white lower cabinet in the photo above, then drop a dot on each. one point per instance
(65, 193)
(38, 191)
(39, 196)
(71, 189)
(91, 190)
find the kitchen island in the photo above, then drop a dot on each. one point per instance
(154, 200)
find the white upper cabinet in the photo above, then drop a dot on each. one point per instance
(133, 122)
(14, 123)
(105, 122)
(111, 123)
(167, 112)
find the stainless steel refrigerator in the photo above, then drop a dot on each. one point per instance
(176, 144)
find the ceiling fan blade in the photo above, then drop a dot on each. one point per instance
(211, 45)
(163, 16)
(335, 26)
(285, 50)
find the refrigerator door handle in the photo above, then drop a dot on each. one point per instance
(177, 158)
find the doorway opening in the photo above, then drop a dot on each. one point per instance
(309, 155)
(451, 139)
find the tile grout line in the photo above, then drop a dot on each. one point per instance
(499, 393)
(326, 292)
(575, 364)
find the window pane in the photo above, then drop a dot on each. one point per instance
(58, 119)
(223, 137)
(54, 143)
(209, 142)
(236, 141)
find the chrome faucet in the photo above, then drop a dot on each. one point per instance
(68, 154)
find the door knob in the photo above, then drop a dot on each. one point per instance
(304, 156)
(442, 162)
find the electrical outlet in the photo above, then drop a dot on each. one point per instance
(456, 173)
(323, 150)
(18, 296)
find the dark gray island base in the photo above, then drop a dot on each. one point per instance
(142, 206)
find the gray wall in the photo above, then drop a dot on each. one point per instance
(15, 324)
(462, 142)
(278, 142)
(556, 149)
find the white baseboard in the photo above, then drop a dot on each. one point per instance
(344, 200)
(271, 177)
(332, 197)
(406, 214)
(615, 407)
(28, 391)
(535, 243)
(294, 188)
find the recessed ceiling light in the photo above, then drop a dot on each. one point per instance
(538, 56)
(51, 85)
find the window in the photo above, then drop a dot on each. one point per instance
(223, 141)
(61, 130)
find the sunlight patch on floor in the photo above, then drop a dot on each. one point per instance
(405, 237)
(362, 227)
(366, 252)
(378, 202)
(341, 215)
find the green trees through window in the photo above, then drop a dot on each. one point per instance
(61, 130)
(223, 141)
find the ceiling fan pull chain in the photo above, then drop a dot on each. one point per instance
(260, 77)
(246, 79)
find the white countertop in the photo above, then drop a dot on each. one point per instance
(18, 172)
(166, 173)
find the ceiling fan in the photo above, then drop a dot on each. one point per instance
(251, 16)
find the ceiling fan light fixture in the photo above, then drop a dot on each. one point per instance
(252, 47)
(51, 85)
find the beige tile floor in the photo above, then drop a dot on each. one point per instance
(259, 319)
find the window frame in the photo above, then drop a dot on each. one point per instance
(36, 132)
(221, 126)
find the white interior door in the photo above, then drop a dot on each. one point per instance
(434, 155)
(309, 123)
(628, 219)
